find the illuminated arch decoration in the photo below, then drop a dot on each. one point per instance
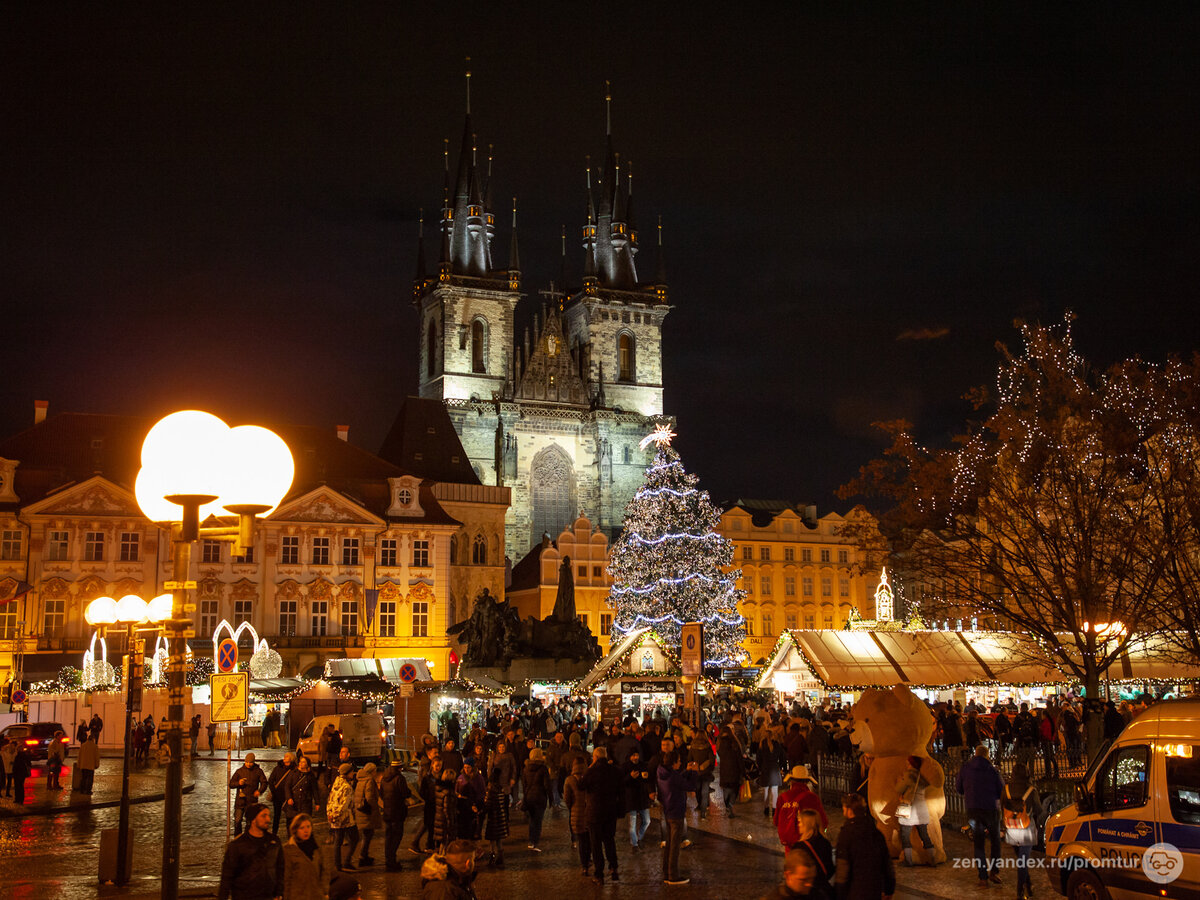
(97, 673)
(884, 599)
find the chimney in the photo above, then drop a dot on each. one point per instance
(343, 432)
(40, 408)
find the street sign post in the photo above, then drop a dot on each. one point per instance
(227, 656)
(230, 697)
(408, 673)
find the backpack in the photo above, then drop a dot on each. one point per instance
(1019, 828)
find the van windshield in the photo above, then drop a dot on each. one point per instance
(1183, 787)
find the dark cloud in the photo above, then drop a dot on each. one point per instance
(922, 334)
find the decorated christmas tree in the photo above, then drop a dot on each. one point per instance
(668, 563)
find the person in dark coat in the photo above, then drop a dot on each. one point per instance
(535, 789)
(576, 799)
(602, 781)
(981, 785)
(249, 782)
(638, 782)
(801, 878)
(864, 863)
(445, 810)
(300, 792)
(731, 769)
(672, 782)
(495, 801)
(22, 768)
(1114, 722)
(469, 791)
(277, 781)
(394, 794)
(252, 868)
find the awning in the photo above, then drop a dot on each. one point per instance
(383, 669)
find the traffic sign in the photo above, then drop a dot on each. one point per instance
(18, 697)
(408, 673)
(230, 700)
(227, 654)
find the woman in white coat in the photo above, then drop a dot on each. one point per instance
(912, 811)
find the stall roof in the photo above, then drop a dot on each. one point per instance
(275, 685)
(601, 671)
(387, 669)
(856, 659)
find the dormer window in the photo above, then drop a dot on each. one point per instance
(404, 496)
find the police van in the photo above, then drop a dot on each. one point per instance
(1134, 828)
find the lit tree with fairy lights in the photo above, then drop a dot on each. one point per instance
(668, 564)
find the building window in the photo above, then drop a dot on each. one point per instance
(844, 556)
(290, 555)
(349, 617)
(552, 484)
(420, 553)
(789, 585)
(246, 557)
(54, 617)
(479, 551)
(791, 620)
(10, 545)
(825, 556)
(387, 552)
(807, 584)
(130, 546)
(582, 572)
(626, 352)
(320, 618)
(647, 661)
(208, 615)
(810, 621)
(420, 618)
(320, 551)
(789, 554)
(606, 623)
(826, 587)
(764, 553)
(844, 587)
(210, 552)
(747, 553)
(349, 551)
(58, 546)
(766, 585)
(748, 584)
(93, 546)
(387, 618)
(242, 611)
(597, 571)
(768, 624)
(583, 618)
(8, 621)
(806, 555)
(828, 621)
(287, 616)
(478, 350)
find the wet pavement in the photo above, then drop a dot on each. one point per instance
(56, 854)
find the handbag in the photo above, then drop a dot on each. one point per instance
(745, 792)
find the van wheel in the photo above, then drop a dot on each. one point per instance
(1084, 885)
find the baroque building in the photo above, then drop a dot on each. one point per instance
(365, 556)
(555, 414)
(801, 571)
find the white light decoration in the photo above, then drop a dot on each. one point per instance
(96, 670)
(265, 663)
(884, 599)
(661, 435)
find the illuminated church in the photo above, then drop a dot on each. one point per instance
(554, 413)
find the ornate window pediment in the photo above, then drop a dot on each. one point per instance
(406, 496)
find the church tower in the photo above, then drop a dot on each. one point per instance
(556, 413)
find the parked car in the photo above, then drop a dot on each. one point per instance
(36, 736)
(364, 733)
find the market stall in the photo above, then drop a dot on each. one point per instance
(640, 675)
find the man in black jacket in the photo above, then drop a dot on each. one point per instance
(249, 782)
(393, 797)
(602, 782)
(253, 865)
(278, 782)
(864, 863)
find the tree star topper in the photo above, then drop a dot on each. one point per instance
(661, 435)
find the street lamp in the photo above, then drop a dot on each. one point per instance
(130, 611)
(194, 466)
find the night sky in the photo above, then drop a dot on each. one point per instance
(219, 207)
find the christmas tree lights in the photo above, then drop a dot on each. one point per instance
(667, 565)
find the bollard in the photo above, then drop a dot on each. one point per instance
(108, 855)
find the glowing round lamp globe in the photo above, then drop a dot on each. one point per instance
(131, 608)
(257, 468)
(185, 448)
(160, 608)
(101, 611)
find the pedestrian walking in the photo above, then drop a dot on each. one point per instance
(1022, 810)
(982, 787)
(305, 874)
(912, 811)
(800, 878)
(81, 733)
(700, 752)
(798, 796)
(394, 794)
(673, 782)
(211, 729)
(194, 735)
(576, 799)
(445, 810)
(8, 756)
(22, 768)
(638, 783)
(55, 754)
(427, 788)
(339, 811)
(252, 868)
(278, 781)
(602, 781)
(368, 817)
(495, 801)
(864, 863)
(772, 758)
(731, 770)
(469, 791)
(535, 789)
(95, 726)
(450, 876)
(300, 792)
(249, 782)
(88, 762)
(810, 837)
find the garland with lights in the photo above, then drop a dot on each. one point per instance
(668, 563)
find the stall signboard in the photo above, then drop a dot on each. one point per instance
(647, 687)
(611, 708)
(691, 649)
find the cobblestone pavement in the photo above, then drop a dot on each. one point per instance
(56, 855)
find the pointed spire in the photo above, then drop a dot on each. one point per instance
(660, 275)
(446, 171)
(591, 207)
(468, 85)
(563, 269)
(475, 195)
(630, 223)
(618, 212)
(487, 190)
(514, 258)
(607, 108)
(420, 276)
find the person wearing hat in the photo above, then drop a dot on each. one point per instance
(339, 811)
(394, 794)
(798, 796)
(252, 868)
(249, 781)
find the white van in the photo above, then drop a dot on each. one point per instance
(1134, 828)
(364, 733)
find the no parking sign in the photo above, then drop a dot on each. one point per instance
(227, 655)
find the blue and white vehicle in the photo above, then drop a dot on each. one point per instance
(1134, 828)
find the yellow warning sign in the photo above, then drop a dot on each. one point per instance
(230, 697)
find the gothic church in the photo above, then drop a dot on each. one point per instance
(555, 414)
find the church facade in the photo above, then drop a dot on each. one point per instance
(555, 413)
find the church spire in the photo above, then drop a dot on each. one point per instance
(514, 257)
(660, 274)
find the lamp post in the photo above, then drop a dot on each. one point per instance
(130, 611)
(195, 466)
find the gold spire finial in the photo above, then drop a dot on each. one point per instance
(607, 108)
(468, 85)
